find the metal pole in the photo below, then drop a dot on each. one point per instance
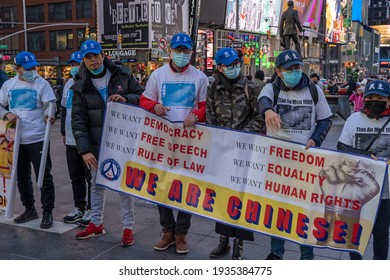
(45, 148)
(237, 18)
(118, 47)
(25, 25)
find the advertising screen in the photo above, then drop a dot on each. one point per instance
(357, 10)
(256, 16)
(333, 21)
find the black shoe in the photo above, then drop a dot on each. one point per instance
(47, 219)
(222, 249)
(238, 249)
(272, 256)
(28, 215)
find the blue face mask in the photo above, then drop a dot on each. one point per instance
(97, 71)
(181, 59)
(74, 70)
(291, 79)
(29, 76)
(232, 73)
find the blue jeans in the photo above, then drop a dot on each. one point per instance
(380, 233)
(277, 247)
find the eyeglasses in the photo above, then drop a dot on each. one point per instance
(182, 50)
(237, 63)
(292, 68)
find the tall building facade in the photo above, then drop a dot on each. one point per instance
(379, 18)
(54, 29)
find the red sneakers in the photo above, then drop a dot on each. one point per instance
(91, 231)
(128, 238)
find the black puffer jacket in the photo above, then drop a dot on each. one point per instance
(88, 106)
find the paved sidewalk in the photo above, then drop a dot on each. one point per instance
(31, 242)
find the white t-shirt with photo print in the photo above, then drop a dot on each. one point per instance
(27, 101)
(181, 92)
(359, 130)
(298, 113)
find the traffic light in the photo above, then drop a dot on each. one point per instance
(87, 32)
(119, 38)
(269, 34)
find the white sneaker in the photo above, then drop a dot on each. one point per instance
(75, 215)
(84, 221)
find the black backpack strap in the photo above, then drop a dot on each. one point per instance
(276, 94)
(312, 88)
(377, 135)
(313, 92)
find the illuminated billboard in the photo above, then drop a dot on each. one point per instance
(256, 16)
(357, 10)
(333, 21)
(139, 29)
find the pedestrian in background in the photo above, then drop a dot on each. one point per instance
(259, 79)
(176, 91)
(58, 91)
(316, 79)
(3, 75)
(332, 87)
(231, 103)
(351, 86)
(358, 99)
(79, 174)
(100, 81)
(27, 97)
(307, 124)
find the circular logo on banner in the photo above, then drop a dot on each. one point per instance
(162, 43)
(110, 169)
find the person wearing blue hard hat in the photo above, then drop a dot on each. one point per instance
(231, 103)
(98, 82)
(27, 97)
(79, 175)
(367, 133)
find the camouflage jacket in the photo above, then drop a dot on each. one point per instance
(234, 109)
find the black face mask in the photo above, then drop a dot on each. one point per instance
(375, 107)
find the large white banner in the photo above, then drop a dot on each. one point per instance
(318, 197)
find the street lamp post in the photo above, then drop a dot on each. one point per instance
(42, 26)
(25, 25)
